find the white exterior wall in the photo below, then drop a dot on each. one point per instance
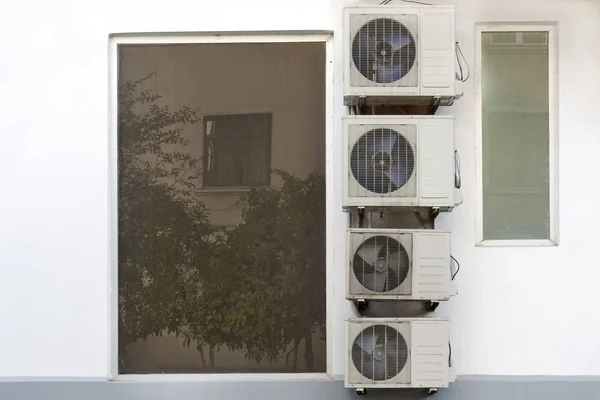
(520, 311)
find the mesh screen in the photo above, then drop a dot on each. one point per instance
(221, 211)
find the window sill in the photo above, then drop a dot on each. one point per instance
(222, 377)
(508, 192)
(518, 243)
(226, 190)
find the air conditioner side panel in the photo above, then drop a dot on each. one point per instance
(437, 52)
(436, 163)
(431, 265)
(352, 376)
(429, 354)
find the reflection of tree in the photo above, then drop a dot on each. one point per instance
(258, 287)
(274, 269)
(162, 227)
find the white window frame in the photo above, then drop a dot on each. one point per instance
(115, 40)
(552, 30)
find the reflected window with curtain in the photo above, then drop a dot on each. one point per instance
(237, 151)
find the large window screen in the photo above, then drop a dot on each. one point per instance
(221, 208)
(515, 126)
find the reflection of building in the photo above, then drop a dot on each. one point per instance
(276, 86)
(262, 108)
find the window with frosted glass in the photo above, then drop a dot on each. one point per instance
(515, 128)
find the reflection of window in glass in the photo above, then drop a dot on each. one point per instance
(221, 281)
(237, 150)
(517, 132)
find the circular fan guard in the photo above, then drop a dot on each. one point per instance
(380, 264)
(382, 160)
(384, 50)
(379, 352)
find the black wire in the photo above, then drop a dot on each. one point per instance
(460, 75)
(457, 267)
(466, 63)
(449, 355)
(418, 2)
(457, 177)
(459, 55)
(386, 2)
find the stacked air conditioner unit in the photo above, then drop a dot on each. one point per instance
(399, 264)
(399, 161)
(404, 54)
(398, 353)
(399, 56)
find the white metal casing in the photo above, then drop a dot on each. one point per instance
(432, 27)
(429, 264)
(428, 363)
(432, 183)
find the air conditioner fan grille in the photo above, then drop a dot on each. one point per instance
(379, 352)
(382, 160)
(384, 50)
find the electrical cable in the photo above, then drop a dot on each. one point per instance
(457, 177)
(386, 2)
(459, 74)
(459, 55)
(457, 267)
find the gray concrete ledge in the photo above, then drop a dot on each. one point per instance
(467, 387)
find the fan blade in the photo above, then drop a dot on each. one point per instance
(383, 140)
(375, 281)
(391, 277)
(362, 158)
(393, 261)
(402, 163)
(367, 342)
(381, 366)
(404, 58)
(399, 40)
(391, 347)
(363, 52)
(365, 42)
(388, 74)
(398, 175)
(392, 272)
(372, 179)
(379, 370)
(363, 151)
(370, 251)
(360, 261)
(391, 358)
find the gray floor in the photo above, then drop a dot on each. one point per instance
(465, 388)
